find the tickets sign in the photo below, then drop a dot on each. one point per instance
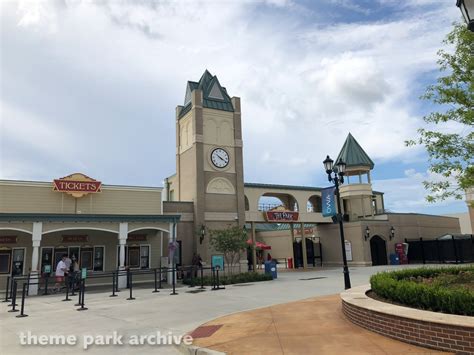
(77, 185)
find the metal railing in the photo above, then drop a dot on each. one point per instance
(72, 284)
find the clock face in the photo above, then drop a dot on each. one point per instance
(219, 158)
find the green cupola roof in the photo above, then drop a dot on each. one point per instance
(353, 155)
(214, 95)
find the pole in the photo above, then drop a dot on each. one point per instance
(83, 291)
(130, 285)
(202, 280)
(156, 284)
(68, 281)
(24, 291)
(173, 270)
(347, 279)
(15, 285)
(113, 285)
(46, 285)
(7, 289)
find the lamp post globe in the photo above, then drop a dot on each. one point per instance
(467, 10)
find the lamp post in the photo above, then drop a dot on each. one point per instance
(467, 10)
(336, 175)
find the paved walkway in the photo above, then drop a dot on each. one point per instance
(152, 312)
(312, 326)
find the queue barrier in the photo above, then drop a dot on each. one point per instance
(12, 285)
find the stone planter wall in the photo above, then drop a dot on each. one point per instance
(429, 329)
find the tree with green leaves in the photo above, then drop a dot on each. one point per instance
(449, 135)
(230, 242)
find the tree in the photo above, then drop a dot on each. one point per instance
(449, 135)
(230, 242)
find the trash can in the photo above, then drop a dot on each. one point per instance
(394, 260)
(290, 263)
(270, 268)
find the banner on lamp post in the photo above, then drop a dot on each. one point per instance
(328, 202)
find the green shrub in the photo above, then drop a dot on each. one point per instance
(229, 279)
(404, 287)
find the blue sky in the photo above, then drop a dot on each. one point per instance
(92, 86)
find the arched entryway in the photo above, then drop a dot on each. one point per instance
(378, 251)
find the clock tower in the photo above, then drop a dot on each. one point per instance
(209, 166)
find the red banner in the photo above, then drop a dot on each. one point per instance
(75, 238)
(137, 238)
(281, 216)
(7, 239)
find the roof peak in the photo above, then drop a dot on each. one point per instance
(353, 155)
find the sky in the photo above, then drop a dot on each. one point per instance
(92, 86)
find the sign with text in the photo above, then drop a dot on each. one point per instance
(137, 238)
(281, 216)
(217, 261)
(75, 238)
(328, 202)
(77, 185)
(7, 239)
(306, 231)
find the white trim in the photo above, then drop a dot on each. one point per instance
(80, 228)
(17, 229)
(154, 228)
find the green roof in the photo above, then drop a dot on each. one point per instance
(214, 95)
(353, 155)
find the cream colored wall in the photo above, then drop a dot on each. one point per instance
(39, 197)
(464, 221)
(280, 241)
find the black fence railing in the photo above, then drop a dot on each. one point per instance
(453, 250)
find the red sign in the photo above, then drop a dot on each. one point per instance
(306, 231)
(77, 185)
(7, 239)
(137, 238)
(281, 216)
(75, 238)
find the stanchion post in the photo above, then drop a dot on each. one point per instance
(113, 285)
(202, 279)
(45, 293)
(23, 294)
(159, 281)
(74, 276)
(117, 280)
(130, 285)
(79, 294)
(13, 304)
(28, 284)
(213, 269)
(68, 281)
(173, 271)
(156, 282)
(7, 289)
(83, 291)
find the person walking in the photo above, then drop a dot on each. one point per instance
(61, 269)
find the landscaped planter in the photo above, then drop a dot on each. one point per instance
(434, 330)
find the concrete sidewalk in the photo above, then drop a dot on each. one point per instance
(312, 326)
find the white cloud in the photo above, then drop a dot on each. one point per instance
(120, 68)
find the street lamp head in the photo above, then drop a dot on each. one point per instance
(367, 233)
(392, 232)
(328, 164)
(203, 233)
(341, 168)
(467, 10)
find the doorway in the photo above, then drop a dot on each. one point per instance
(378, 251)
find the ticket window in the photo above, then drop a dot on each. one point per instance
(46, 260)
(18, 262)
(98, 258)
(86, 258)
(5, 261)
(136, 256)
